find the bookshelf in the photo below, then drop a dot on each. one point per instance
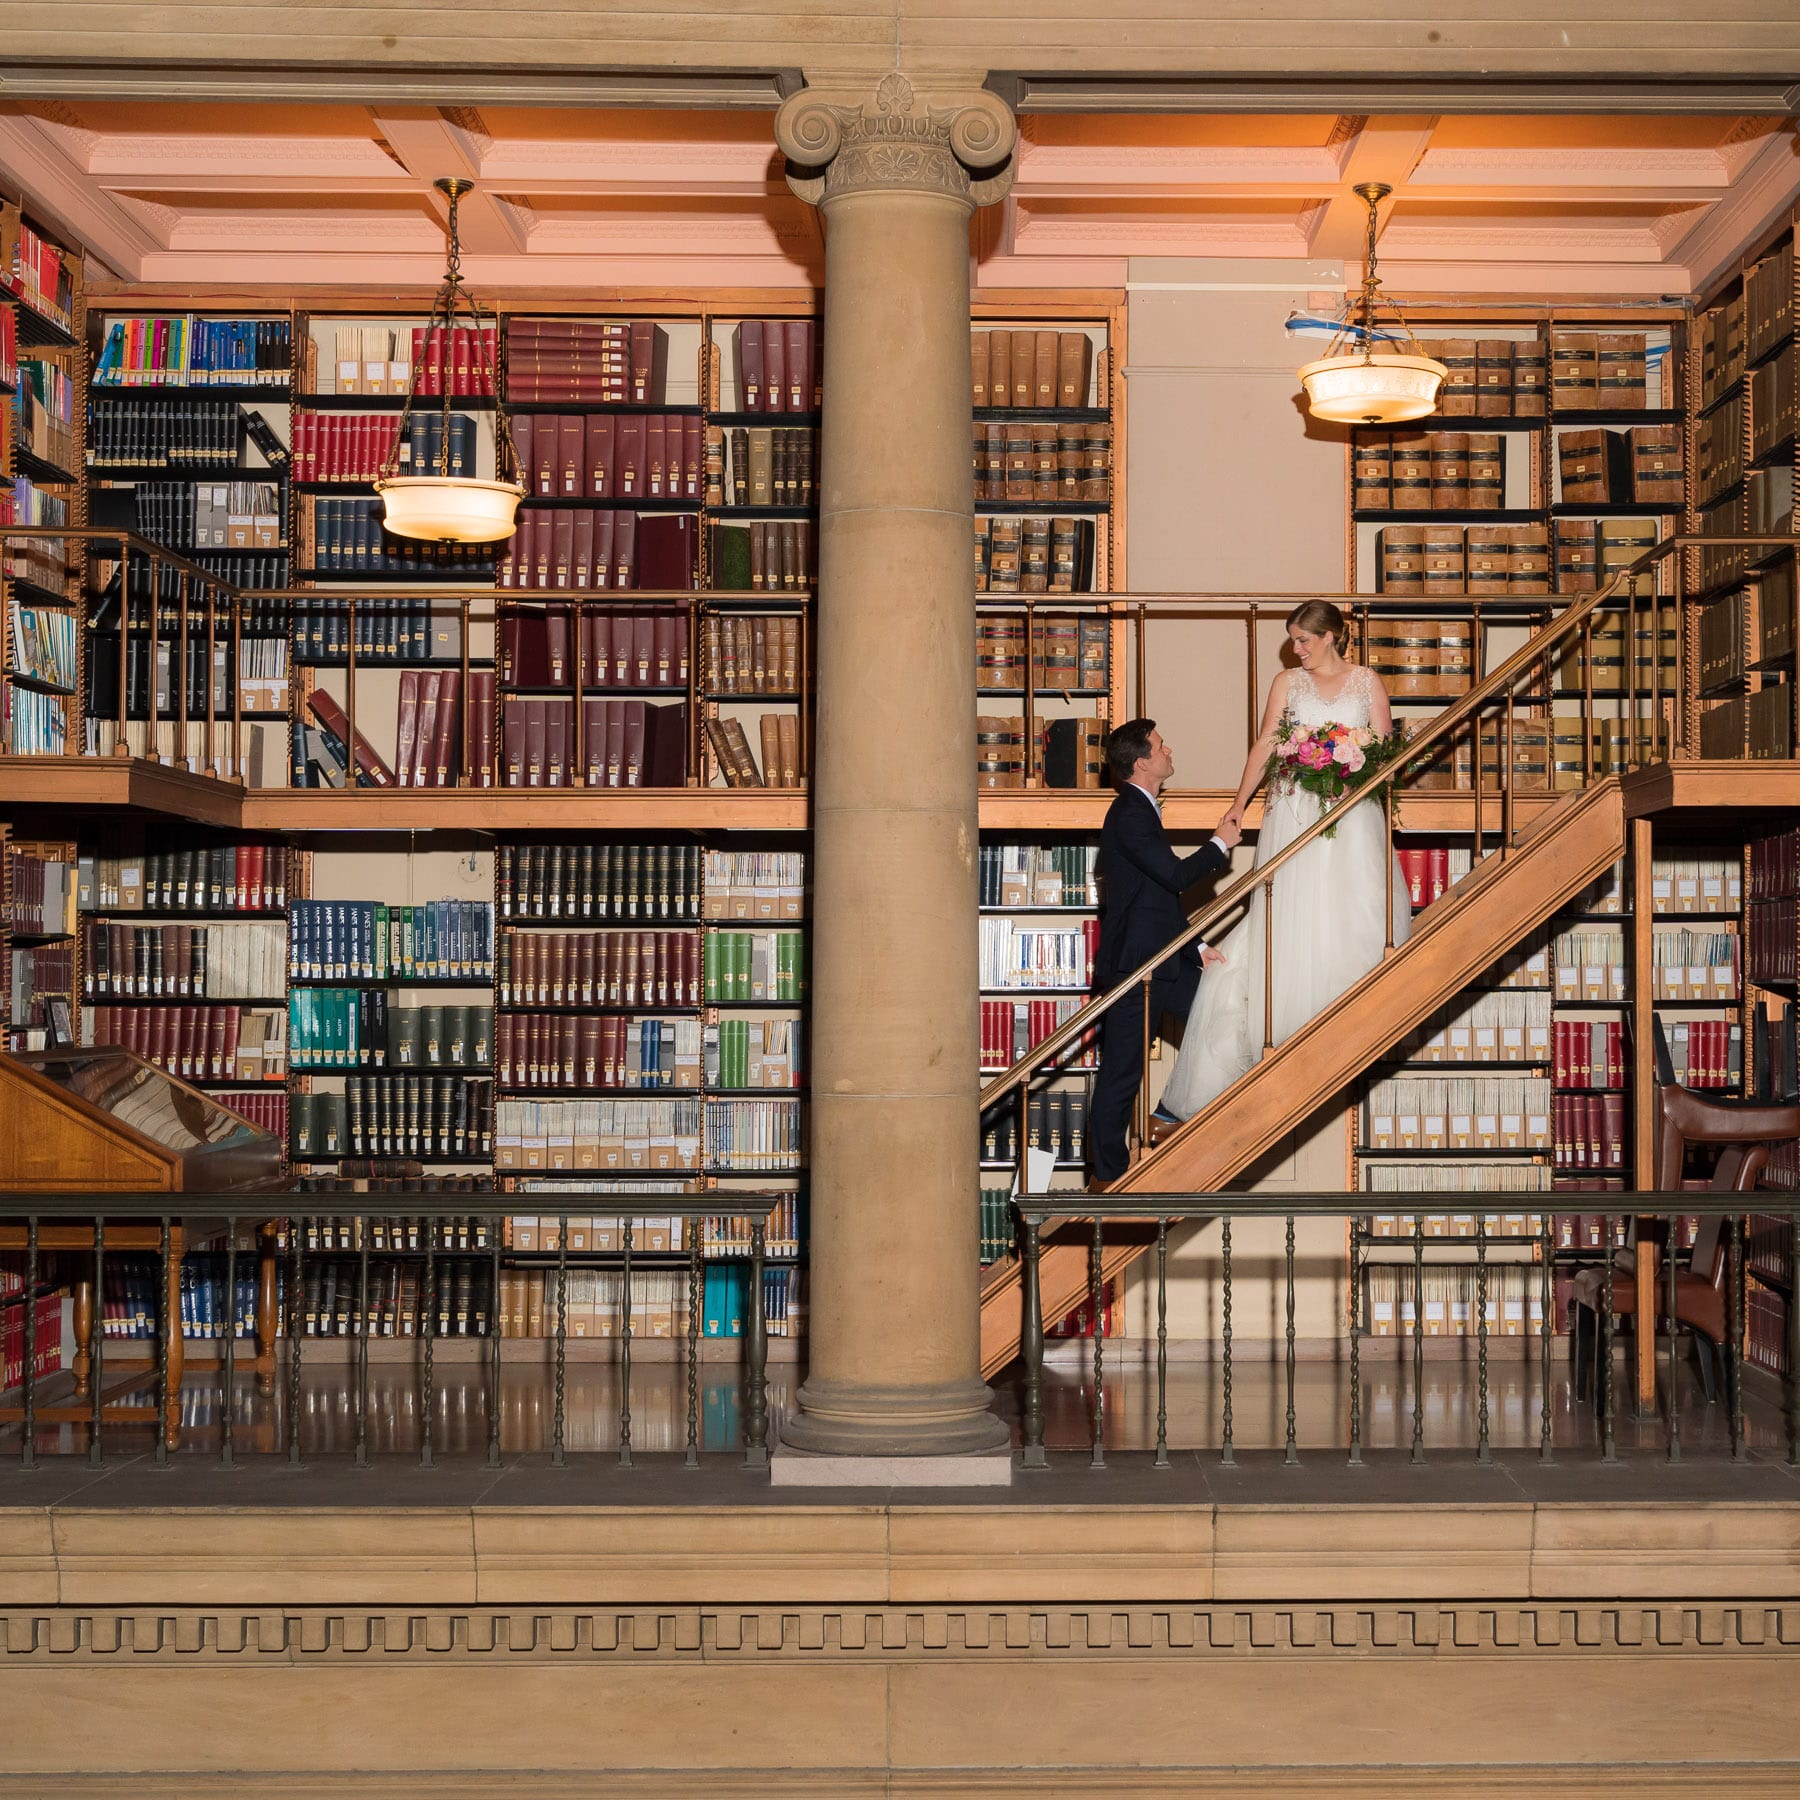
(1740, 625)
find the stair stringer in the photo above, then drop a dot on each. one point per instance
(1564, 851)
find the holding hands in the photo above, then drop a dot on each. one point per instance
(1230, 828)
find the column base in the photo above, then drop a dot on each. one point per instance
(855, 1419)
(790, 1468)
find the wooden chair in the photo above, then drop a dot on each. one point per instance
(1745, 1130)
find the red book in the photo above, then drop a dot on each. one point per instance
(603, 550)
(1439, 863)
(425, 732)
(216, 1067)
(448, 735)
(693, 458)
(330, 715)
(581, 551)
(481, 727)
(523, 428)
(750, 365)
(407, 736)
(546, 441)
(593, 742)
(656, 457)
(571, 455)
(597, 454)
(625, 550)
(799, 365)
(648, 342)
(775, 394)
(633, 773)
(667, 551)
(630, 477)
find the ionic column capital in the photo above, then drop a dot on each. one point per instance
(956, 142)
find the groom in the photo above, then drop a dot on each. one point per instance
(1143, 881)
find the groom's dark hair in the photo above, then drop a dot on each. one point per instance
(1126, 747)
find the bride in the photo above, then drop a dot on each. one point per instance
(1328, 901)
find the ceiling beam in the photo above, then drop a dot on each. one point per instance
(1384, 149)
(429, 145)
(60, 188)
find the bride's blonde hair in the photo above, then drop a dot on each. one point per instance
(1319, 617)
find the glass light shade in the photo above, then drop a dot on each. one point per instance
(450, 509)
(1382, 389)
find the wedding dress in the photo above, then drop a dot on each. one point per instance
(1327, 908)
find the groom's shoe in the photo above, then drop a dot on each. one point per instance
(1163, 1127)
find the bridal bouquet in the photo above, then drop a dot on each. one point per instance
(1329, 760)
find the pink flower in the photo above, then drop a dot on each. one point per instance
(1350, 755)
(1362, 736)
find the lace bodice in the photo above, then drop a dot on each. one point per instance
(1352, 704)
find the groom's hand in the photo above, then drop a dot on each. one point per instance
(1229, 830)
(1211, 958)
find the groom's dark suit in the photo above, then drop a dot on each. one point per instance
(1142, 881)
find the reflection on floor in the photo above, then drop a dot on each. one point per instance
(1446, 1405)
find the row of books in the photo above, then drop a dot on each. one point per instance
(651, 1135)
(43, 644)
(1774, 865)
(758, 465)
(41, 1317)
(246, 961)
(178, 674)
(600, 968)
(38, 974)
(467, 1232)
(604, 881)
(1689, 964)
(563, 646)
(1030, 368)
(1491, 1177)
(1442, 1300)
(1033, 875)
(370, 940)
(765, 556)
(333, 1303)
(345, 537)
(1453, 560)
(207, 877)
(1426, 471)
(431, 730)
(1430, 872)
(199, 1043)
(590, 1052)
(1066, 655)
(1499, 377)
(1055, 1121)
(783, 764)
(1706, 1053)
(594, 549)
(1012, 1028)
(341, 446)
(1495, 1026)
(1421, 657)
(9, 346)
(590, 1303)
(44, 407)
(382, 629)
(1569, 1230)
(430, 1037)
(1719, 456)
(1774, 405)
(1590, 1053)
(1768, 1244)
(1736, 636)
(1588, 1131)
(551, 743)
(1774, 1035)
(40, 891)
(742, 967)
(1016, 955)
(395, 1115)
(1768, 1338)
(1021, 460)
(602, 456)
(1596, 467)
(1759, 725)
(342, 1028)
(1771, 934)
(714, 1235)
(1430, 1112)
(378, 358)
(1065, 752)
(131, 1300)
(161, 434)
(390, 1175)
(747, 653)
(212, 515)
(186, 350)
(33, 724)
(1034, 555)
(267, 1110)
(778, 365)
(997, 1231)
(588, 362)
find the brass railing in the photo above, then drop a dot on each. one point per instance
(1649, 733)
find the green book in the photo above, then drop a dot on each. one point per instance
(731, 558)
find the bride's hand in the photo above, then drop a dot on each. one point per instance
(1211, 958)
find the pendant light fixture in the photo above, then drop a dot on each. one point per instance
(433, 504)
(1364, 385)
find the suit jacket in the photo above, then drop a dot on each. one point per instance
(1142, 881)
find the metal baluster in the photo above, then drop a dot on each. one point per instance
(1293, 1453)
(428, 1398)
(693, 1345)
(1225, 1452)
(1097, 1452)
(1268, 906)
(1418, 1380)
(1674, 1347)
(495, 1232)
(361, 1460)
(1547, 1256)
(1031, 1346)
(97, 1334)
(1603, 1344)
(558, 1446)
(1143, 1092)
(28, 1444)
(1356, 1279)
(169, 1321)
(228, 1437)
(624, 1358)
(296, 1334)
(1162, 1344)
(1739, 1451)
(1484, 1452)
(756, 1356)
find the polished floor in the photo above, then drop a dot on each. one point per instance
(1442, 1413)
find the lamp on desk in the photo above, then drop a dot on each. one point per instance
(1366, 386)
(437, 506)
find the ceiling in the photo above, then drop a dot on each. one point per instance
(222, 195)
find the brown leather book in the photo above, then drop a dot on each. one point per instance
(1530, 377)
(1493, 377)
(788, 736)
(1024, 354)
(367, 760)
(999, 752)
(1420, 657)
(1577, 555)
(978, 369)
(1444, 560)
(1074, 368)
(1034, 555)
(742, 756)
(1456, 396)
(1449, 471)
(1097, 474)
(1044, 485)
(1487, 472)
(1487, 550)
(1583, 463)
(1044, 367)
(1370, 470)
(999, 368)
(1410, 476)
(982, 540)
(978, 460)
(1003, 555)
(1065, 554)
(1622, 366)
(1574, 371)
(1071, 458)
(770, 731)
(1656, 472)
(1401, 549)
(1017, 477)
(1528, 561)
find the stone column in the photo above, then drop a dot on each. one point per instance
(894, 1293)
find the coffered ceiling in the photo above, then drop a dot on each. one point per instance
(574, 200)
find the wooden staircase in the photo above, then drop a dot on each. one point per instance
(1453, 941)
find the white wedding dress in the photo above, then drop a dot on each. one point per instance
(1328, 927)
